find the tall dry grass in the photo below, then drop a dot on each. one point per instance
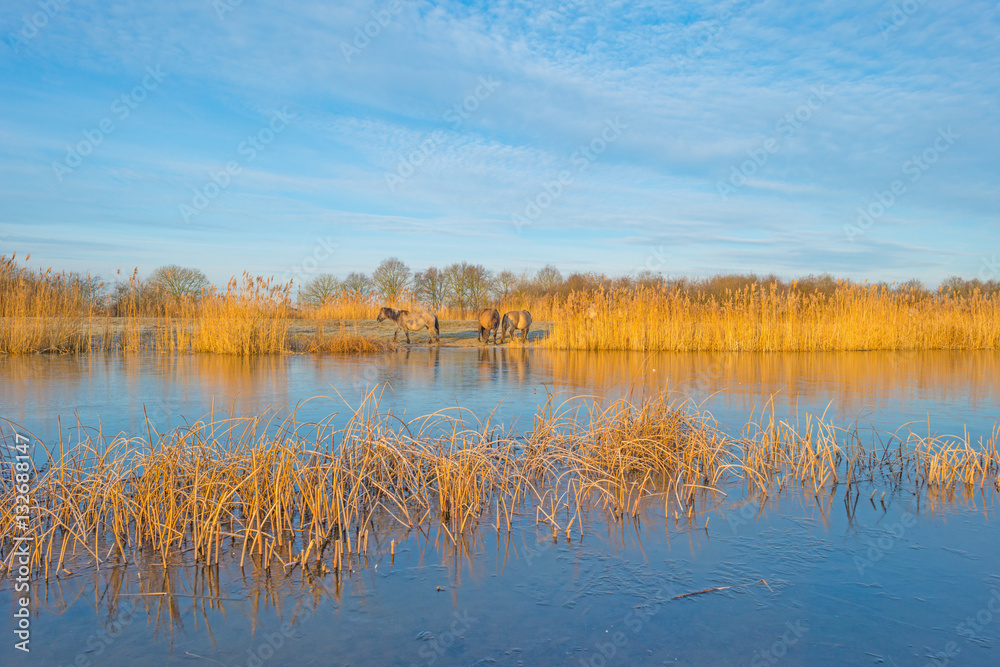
(762, 318)
(41, 311)
(281, 493)
(345, 341)
(250, 317)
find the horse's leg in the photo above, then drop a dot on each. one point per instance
(395, 335)
(526, 329)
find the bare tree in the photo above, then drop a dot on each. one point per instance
(548, 279)
(357, 282)
(456, 287)
(504, 285)
(479, 280)
(431, 287)
(91, 290)
(319, 290)
(178, 282)
(391, 278)
(647, 278)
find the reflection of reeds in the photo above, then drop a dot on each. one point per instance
(282, 493)
(756, 318)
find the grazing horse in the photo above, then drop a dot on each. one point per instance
(489, 320)
(515, 319)
(407, 322)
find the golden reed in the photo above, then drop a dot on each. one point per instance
(283, 493)
(766, 319)
(46, 312)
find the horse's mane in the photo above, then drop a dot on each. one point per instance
(394, 314)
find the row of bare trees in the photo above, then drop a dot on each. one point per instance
(461, 286)
(464, 286)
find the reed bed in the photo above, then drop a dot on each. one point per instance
(41, 311)
(276, 492)
(346, 342)
(767, 319)
(250, 317)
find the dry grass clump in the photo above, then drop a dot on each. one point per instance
(279, 492)
(628, 448)
(346, 306)
(772, 454)
(248, 318)
(766, 318)
(42, 311)
(347, 342)
(261, 484)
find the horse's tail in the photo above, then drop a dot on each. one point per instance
(505, 321)
(437, 329)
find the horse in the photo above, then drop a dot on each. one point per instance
(407, 322)
(515, 319)
(489, 320)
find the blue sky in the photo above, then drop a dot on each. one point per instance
(296, 138)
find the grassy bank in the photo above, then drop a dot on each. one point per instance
(287, 494)
(46, 312)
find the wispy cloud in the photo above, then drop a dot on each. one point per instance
(697, 86)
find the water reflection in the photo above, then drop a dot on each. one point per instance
(952, 389)
(753, 565)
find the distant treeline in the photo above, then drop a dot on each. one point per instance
(66, 312)
(459, 287)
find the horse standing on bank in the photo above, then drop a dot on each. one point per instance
(407, 322)
(515, 319)
(489, 320)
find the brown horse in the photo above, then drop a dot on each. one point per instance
(515, 319)
(489, 320)
(407, 322)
